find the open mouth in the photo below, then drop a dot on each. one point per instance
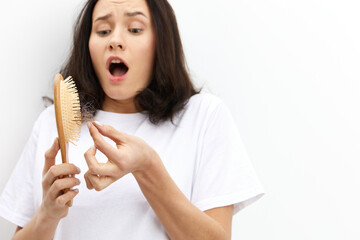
(117, 68)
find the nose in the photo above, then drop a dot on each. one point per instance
(116, 42)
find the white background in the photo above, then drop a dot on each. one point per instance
(289, 71)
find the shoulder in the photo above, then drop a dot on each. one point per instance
(205, 98)
(207, 106)
(205, 103)
(47, 114)
(46, 117)
(204, 110)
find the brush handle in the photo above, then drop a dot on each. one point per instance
(59, 124)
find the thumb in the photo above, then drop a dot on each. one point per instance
(50, 155)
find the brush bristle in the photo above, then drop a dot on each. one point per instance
(70, 110)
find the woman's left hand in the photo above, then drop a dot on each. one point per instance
(130, 155)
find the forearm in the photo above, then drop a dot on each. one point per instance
(180, 218)
(39, 228)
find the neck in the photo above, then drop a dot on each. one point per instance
(119, 106)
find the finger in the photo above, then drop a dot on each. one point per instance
(66, 197)
(100, 143)
(88, 183)
(110, 132)
(50, 155)
(100, 182)
(59, 185)
(60, 170)
(98, 168)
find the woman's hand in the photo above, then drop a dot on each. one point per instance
(54, 199)
(131, 154)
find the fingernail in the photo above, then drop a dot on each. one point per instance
(98, 123)
(78, 181)
(89, 124)
(78, 169)
(76, 190)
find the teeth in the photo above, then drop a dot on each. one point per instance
(116, 61)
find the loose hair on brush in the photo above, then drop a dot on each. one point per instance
(170, 87)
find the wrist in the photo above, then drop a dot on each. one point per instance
(150, 167)
(44, 219)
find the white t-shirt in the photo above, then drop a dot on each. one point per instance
(202, 151)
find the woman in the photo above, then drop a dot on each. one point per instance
(166, 161)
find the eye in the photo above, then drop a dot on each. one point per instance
(135, 30)
(104, 32)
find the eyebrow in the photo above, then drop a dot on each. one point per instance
(107, 16)
(127, 14)
(133, 14)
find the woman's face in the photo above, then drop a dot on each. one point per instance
(122, 49)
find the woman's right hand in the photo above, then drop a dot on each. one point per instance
(54, 199)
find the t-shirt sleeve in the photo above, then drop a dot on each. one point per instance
(224, 175)
(17, 199)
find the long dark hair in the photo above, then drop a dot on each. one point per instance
(170, 88)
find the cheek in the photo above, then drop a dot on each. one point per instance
(146, 54)
(94, 48)
(150, 48)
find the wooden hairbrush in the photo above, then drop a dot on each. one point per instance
(68, 115)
